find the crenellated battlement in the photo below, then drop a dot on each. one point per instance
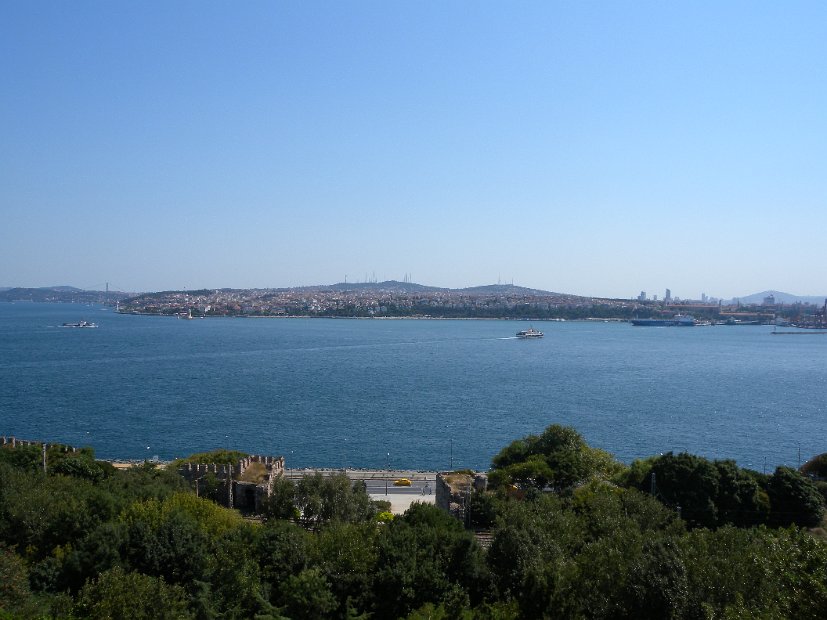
(194, 470)
(239, 494)
(190, 471)
(12, 442)
(236, 493)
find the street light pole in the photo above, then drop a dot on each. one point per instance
(387, 472)
(452, 454)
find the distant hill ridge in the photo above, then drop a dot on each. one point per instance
(50, 293)
(412, 287)
(780, 298)
(57, 294)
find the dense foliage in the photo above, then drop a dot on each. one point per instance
(219, 457)
(571, 533)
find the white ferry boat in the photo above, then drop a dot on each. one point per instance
(529, 333)
(80, 324)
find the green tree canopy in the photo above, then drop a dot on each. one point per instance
(558, 458)
(118, 595)
(795, 499)
(707, 493)
(422, 557)
(320, 500)
(816, 467)
(219, 457)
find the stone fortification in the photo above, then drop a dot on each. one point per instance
(191, 471)
(238, 493)
(13, 442)
(453, 491)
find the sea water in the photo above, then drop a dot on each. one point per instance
(419, 394)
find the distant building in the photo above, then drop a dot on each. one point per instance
(769, 300)
(668, 296)
(642, 296)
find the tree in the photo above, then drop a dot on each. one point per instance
(346, 555)
(39, 514)
(658, 583)
(689, 482)
(281, 550)
(81, 466)
(97, 552)
(530, 536)
(422, 557)
(14, 582)
(281, 504)
(234, 576)
(795, 499)
(118, 595)
(482, 507)
(173, 538)
(754, 573)
(558, 458)
(174, 549)
(307, 596)
(334, 499)
(143, 482)
(741, 501)
(816, 467)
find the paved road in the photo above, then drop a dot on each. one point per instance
(422, 482)
(418, 487)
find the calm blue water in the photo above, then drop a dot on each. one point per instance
(327, 392)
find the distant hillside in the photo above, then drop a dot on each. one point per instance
(780, 298)
(388, 285)
(64, 294)
(62, 289)
(505, 289)
(411, 287)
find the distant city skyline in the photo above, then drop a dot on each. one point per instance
(595, 149)
(757, 297)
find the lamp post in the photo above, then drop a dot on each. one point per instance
(452, 454)
(387, 472)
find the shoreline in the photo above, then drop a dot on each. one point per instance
(354, 473)
(375, 318)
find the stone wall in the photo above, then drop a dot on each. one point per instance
(239, 494)
(191, 471)
(13, 442)
(453, 491)
(274, 464)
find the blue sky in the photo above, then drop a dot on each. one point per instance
(595, 148)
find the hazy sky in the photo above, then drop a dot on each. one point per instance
(595, 148)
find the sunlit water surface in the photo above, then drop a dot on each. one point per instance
(326, 392)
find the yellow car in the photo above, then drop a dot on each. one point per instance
(402, 482)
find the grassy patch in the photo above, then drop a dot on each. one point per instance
(256, 472)
(219, 457)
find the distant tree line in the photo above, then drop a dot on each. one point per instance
(573, 534)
